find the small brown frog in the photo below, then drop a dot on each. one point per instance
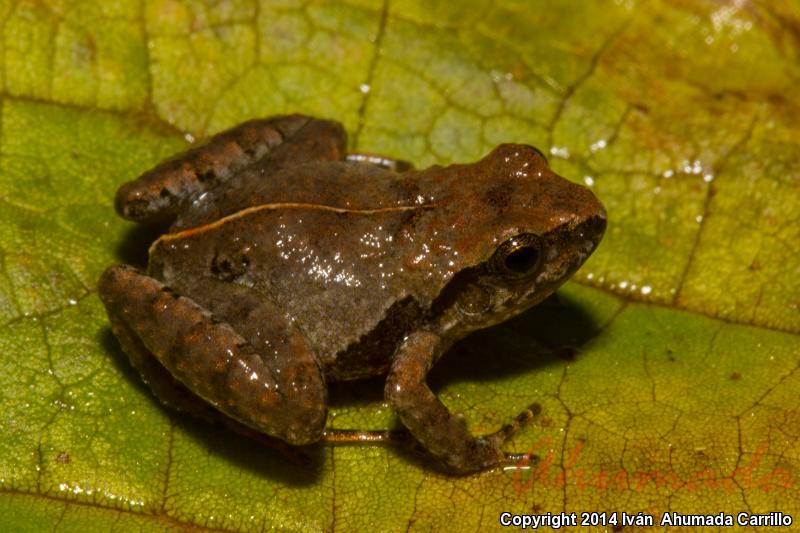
(289, 264)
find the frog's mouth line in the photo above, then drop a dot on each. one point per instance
(288, 205)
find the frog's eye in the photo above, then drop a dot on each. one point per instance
(519, 256)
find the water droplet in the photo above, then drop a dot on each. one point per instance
(599, 145)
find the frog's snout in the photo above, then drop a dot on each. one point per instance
(587, 219)
(584, 202)
(594, 227)
(591, 220)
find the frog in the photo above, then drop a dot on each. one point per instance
(284, 264)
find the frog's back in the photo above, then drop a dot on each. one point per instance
(338, 273)
(337, 184)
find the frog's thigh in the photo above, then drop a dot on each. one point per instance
(443, 434)
(280, 393)
(396, 165)
(157, 196)
(166, 388)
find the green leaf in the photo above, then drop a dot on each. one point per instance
(667, 371)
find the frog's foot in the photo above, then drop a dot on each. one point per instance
(509, 430)
(439, 431)
(280, 393)
(396, 165)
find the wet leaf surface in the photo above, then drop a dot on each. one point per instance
(667, 371)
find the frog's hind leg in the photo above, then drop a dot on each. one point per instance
(165, 387)
(158, 196)
(277, 391)
(175, 395)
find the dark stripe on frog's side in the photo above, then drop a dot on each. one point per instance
(192, 232)
(372, 354)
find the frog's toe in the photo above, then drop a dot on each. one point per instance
(523, 418)
(493, 456)
(519, 461)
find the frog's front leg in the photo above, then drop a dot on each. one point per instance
(279, 392)
(443, 434)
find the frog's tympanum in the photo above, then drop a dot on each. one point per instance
(289, 264)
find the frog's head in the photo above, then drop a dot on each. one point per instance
(520, 230)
